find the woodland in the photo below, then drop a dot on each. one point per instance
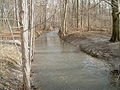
(93, 26)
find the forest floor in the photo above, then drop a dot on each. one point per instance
(11, 63)
(95, 43)
(10, 67)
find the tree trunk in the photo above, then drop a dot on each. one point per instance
(119, 31)
(17, 12)
(119, 18)
(77, 13)
(45, 14)
(115, 20)
(2, 13)
(88, 15)
(25, 49)
(31, 36)
(81, 13)
(63, 30)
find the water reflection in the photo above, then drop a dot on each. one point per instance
(60, 66)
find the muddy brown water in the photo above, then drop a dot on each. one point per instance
(60, 66)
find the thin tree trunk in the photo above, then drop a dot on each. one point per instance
(45, 14)
(64, 29)
(81, 13)
(77, 13)
(88, 15)
(119, 33)
(2, 13)
(25, 49)
(32, 30)
(17, 12)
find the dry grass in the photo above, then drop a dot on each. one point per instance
(94, 42)
(10, 67)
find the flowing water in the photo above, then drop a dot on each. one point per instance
(61, 66)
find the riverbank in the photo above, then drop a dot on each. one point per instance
(94, 43)
(59, 65)
(11, 63)
(10, 67)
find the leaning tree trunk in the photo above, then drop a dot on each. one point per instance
(23, 5)
(115, 19)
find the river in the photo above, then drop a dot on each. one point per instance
(61, 66)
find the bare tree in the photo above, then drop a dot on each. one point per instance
(63, 30)
(25, 48)
(77, 13)
(115, 20)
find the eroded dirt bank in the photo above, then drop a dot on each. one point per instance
(10, 68)
(95, 43)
